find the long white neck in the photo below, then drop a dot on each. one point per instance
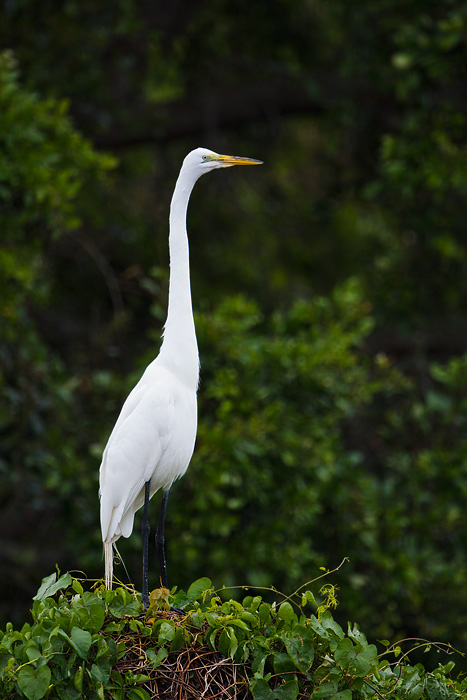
(179, 351)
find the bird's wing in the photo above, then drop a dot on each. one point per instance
(132, 454)
(131, 402)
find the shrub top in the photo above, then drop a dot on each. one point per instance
(101, 644)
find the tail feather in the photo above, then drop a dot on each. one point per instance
(109, 564)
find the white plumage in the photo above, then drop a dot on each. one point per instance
(154, 436)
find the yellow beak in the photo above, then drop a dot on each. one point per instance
(237, 160)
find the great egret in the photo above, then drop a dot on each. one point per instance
(153, 439)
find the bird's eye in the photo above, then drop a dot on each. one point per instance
(204, 157)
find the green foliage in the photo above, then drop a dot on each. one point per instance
(44, 161)
(305, 449)
(273, 400)
(46, 169)
(421, 178)
(78, 643)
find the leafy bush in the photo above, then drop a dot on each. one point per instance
(307, 447)
(99, 644)
(311, 448)
(45, 161)
(46, 168)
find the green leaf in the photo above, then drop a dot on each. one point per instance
(259, 662)
(239, 623)
(80, 640)
(34, 682)
(355, 634)
(166, 633)
(69, 692)
(286, 613)
(410, 684)
(318, 628)
(282, 663)
(355, 659)
(436, 690)
(134, 678)
(233, 642)
(228, 642)
(78, 679)
(92, 618)
(287, 691)
(326, 689)
(100, 673)
(138, 694)
(328, 622)
(251, 619)
(77, 587)
(199, 587)
(50, 586)
(119, 608)
(260, 689)
(264, 612)
(300, 647)
(157, 659)
(32, 651)
(179, 639)
(212, 638)
(308, 597)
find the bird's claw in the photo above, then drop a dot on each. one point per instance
(179, 611)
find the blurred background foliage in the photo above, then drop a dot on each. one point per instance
(330, 288)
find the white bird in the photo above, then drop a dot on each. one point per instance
(154, 437)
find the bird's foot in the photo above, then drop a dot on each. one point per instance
(179, 611)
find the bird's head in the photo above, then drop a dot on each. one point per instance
(203, 160)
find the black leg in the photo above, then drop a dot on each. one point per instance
(160, 539)
(145, 531)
